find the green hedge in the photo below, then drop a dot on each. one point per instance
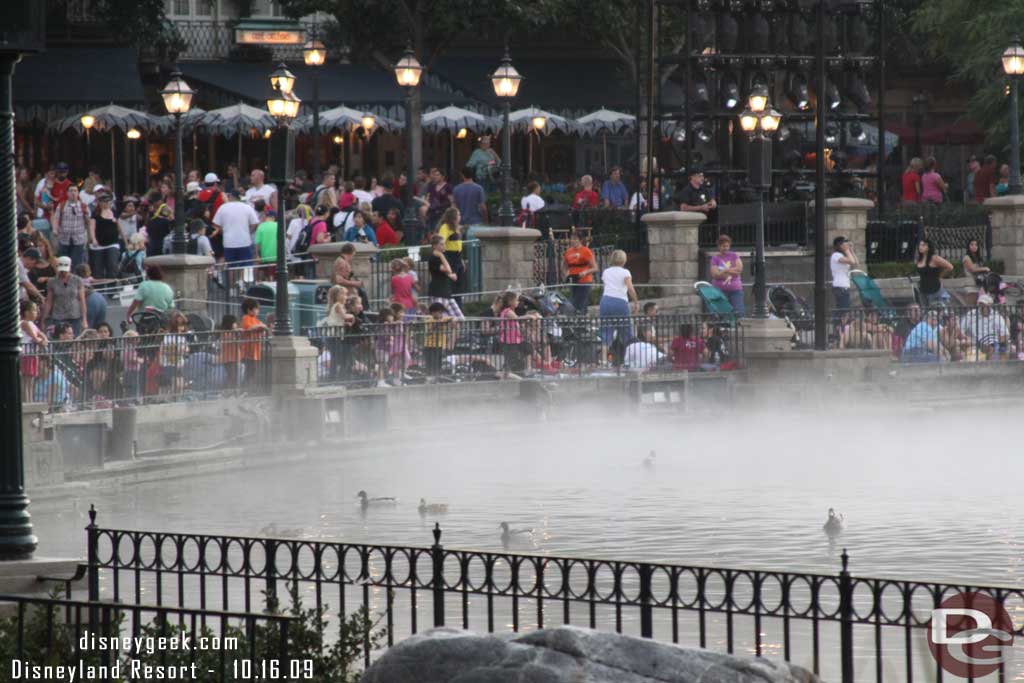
(889, 269)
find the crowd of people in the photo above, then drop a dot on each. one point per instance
(921, 181)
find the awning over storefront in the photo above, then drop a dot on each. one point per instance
(53, 84)
(355, 85)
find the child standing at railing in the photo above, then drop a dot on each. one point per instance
(30, 355)
(253, 331)
(230, 350)
(509, 335)
(403, 286)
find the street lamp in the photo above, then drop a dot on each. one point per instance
(919, 105)
(315, 54)
(1013, 65)
(87, 122)
(133, 134)
(408, 72)
(283, 105)
(177, 96)
(760, 121)
(506, 81)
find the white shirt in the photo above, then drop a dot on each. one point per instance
(532, 202)
(840, 271)
(344, 218)
(293, 232)
(235, 220)
(614, 281)
(264, 192)
(984, 329)
(23, 280)
(129, 226)
(642, 355)
(363, 196)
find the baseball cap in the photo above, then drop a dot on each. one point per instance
(697, 169)
(98, 188)
(839, 241)
(63, 166)
(32, 253)
(211, 178)
(64, 264)
(985, 299)
(192, 187)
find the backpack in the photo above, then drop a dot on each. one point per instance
(129, 266)
(305, 238)
(338, 229)
(209, 204)
(192, 247)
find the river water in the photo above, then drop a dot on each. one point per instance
(926, 494)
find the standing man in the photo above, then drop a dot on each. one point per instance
(694, 196)
(985, 180)
(470, 199)
(439, 197)
(613, 193)
(586, 198)
(972, 170)
(235, 221)
(843, 259)
(69, 221)
(485, 162)
(260, 190)
(65, 299)
(61, 184)
(386, 201)
(211, 197)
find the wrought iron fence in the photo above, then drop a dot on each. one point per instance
(895, 237)
(120, 641)
(150, 368)
(208, 39)
(786, 223)
(840, 625)
(549, 267)
(422, 350)
(227, 284)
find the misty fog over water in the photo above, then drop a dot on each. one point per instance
(926, 495)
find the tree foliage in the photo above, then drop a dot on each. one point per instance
(970, 37)
(140, 23)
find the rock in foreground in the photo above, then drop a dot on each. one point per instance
(566, 655)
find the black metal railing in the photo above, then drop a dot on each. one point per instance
(830, 621)
(467, 289)
(422, 350)
(549, 267)
(227, 284)
(895, 237)
(959, 334)
(138, 642)
(786, 224)
(150, 368)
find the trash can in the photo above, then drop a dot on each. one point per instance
(310, 309)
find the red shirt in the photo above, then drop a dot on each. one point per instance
(386, 235)
(60, 190)
(911, 186)
(204, 196)
(585, 199)
(401, 291)
(686, 353)
(984, 179)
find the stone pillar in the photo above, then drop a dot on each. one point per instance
(293, 364)
(1008, 232)
(362, 263)
(187, 275)
(674, 251)
(848, 216)
(507, 255)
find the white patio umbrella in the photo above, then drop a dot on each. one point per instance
(526, 120)
(238, 119)
(347, 119)
(453, 120)
(605, 121)
(111, 117)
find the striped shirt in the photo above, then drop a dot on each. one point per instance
(72, 223)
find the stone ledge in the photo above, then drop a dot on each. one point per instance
(180, 261)
(1011, 201)
(673, 217)
(848, 203)
(333, 249)
(512, 234)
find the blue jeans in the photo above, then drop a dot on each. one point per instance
(237, 254)
(76, 252)
(580, 296)
(936, 298)
(736, 301)
(841, 296)
(615, 308)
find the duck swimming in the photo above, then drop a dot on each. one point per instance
(834, 524)
(508, 534)
(432, 508)
(649, 460)
(365, 501)
(274, 530)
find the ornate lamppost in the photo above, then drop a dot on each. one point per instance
(283, 105)
(177, 96)
(506, 81)
(760, 122)
(408, 72)
(1013, 65)
(315, 54)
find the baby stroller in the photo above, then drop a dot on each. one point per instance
(786, 304)
(723, 319)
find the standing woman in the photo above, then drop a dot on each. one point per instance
(727, 274)
(451, 231)
(105, 239)
(933, 187)
(911, 182)
(442, 279)
(974, 263)
(615, 302)
(581, 266)
(931, 268)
